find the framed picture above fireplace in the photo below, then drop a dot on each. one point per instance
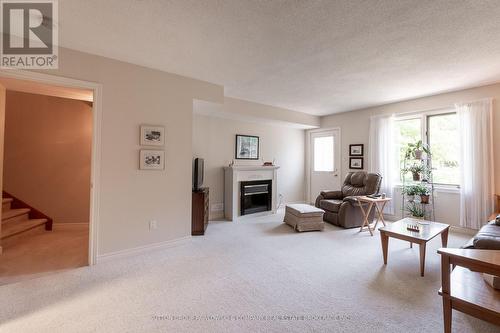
(247, 147)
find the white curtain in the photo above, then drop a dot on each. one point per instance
(381, 155)
(476, 162)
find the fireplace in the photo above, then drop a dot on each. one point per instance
(256, 196)
(235, 175)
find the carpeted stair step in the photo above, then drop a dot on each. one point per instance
(13, 229)
(6, 202)
(15, 215)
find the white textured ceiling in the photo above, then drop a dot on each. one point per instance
(313, 56)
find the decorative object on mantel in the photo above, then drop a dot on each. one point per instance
(268, 164)
(356, 150)
(152, 159)
(152, 135)
(356, 163)
(247, 147)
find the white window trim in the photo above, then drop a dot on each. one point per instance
(423, 116)
(437, 188)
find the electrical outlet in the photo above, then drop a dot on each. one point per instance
(153, 225)
(217, 207)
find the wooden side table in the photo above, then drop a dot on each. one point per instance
(463, 288)
(379, 205)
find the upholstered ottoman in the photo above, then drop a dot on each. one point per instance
(302, 217)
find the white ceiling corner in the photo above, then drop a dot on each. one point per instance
(317, 57)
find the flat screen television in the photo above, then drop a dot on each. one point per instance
(198, 171)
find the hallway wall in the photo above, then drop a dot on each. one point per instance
(48, 144)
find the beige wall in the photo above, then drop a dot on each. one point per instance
(130, 198)
(214, 140)
(355, 126)
(270, 113)
(2, 130)
(47, 155)
(233, 108)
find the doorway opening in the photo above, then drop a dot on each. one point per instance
(323, 161)
(47, 140)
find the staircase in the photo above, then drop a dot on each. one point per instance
(19, 218)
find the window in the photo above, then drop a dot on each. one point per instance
(323, 153)
(442, 136)
(440, 131)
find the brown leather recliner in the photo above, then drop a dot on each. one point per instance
(340, 207)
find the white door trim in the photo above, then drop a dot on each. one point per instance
(96, 141)
(311, 197)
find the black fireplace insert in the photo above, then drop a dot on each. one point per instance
(255, 196)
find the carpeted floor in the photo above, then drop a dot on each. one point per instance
(43, 252)
(248, 276)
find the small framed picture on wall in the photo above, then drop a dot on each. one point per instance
(152, 135)
(356, 150)
(356, 163)
(152, 159)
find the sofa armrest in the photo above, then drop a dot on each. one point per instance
(352, 200)
(488, 237)
(486, 243)
(332, 195)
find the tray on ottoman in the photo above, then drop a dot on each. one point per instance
(303, 217)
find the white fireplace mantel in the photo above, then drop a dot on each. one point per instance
(234, 175)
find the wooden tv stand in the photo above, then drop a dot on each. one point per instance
(199, 211)
(464, 288)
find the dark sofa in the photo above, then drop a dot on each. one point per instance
(487, 238)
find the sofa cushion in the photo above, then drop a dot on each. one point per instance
(331, 205)
(304, 210)
(488, 237)
(358, 179)
(361, 183)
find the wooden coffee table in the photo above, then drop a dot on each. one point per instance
(427, 232)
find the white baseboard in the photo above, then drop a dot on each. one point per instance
(141, 249)
(216, 215)
(65, 224)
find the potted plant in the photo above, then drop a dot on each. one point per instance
(416, 210)
(410, 192)
(415, 171)
(423, 192)
(415, 150)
